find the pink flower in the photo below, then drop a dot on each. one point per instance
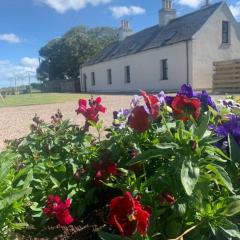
(91, 113)
(56, 208)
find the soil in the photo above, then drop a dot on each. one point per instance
(85, 229)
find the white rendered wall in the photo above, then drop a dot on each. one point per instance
(145, 71)
(208, 47)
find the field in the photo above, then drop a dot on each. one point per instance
(38, 99)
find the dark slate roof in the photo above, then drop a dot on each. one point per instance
(177, 30)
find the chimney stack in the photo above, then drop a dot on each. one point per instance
(167, 13)
(206, 3)
(125, 30)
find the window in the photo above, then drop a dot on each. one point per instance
(109, 76)
(164, 69)
(93, 78)
(225, 32)
(127, 74)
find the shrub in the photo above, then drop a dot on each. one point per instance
(168, 168)
(14, 187)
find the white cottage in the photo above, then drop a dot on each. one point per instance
(177, 50)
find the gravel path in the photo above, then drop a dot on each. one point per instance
(15, 121)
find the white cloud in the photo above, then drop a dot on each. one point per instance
(62, 6)
(10, 38)
(9, 71)
(120, 11)
(190, 3)
(29, 62)
(235, 10)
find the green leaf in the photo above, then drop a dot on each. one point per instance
(229, 228)
(234, 149)
(189, 175)
(28, 179)
(5, 166)
(222, 176)
(232, 206)
(202, 128)
(15, 196)
(108, 236)
(167, 146)
(55, 181)
(147, 155)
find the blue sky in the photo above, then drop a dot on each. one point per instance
(26, 25)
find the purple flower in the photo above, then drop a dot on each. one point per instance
(232, 126)
(206, 101)
(120, 118)
(161, 98)
(186, 90)
(135, 100)
(168, 100)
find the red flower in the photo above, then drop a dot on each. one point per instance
(169, 198)
(103, 170)
(91, 113)
(139, 119)
(183, 107)
(152, 103)
(56, 208)
(128, 216)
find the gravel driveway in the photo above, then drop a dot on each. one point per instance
(15, 121)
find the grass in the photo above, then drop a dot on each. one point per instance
(39, 99)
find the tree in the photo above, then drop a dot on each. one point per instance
(63, 56)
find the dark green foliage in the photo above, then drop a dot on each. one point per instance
(64, 55)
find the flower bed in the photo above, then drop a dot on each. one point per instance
(168, 168)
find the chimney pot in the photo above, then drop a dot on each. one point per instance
(124, 30)
(167, 13)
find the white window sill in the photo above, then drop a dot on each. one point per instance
(225, 45)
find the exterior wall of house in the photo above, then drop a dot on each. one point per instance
(145, 71)
(208, 47)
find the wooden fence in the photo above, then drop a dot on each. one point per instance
(62, 86)
(226, 77)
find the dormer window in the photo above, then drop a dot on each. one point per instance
(225, 32)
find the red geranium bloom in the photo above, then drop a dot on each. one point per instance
(56, 208)
(91, 113)
(103, 170)
(169, 198)
(183, 107)
(152, 103)
(139, 119)
(128, 216)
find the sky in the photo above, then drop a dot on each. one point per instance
(27, 25)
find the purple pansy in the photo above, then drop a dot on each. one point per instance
(206, 100)
(186, 90)
(232, 126)
(168, 100)
(161, 97)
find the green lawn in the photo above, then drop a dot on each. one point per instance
(39, 98)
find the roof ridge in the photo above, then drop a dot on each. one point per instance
(198, 10)
(177, 18)
(155, 36)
